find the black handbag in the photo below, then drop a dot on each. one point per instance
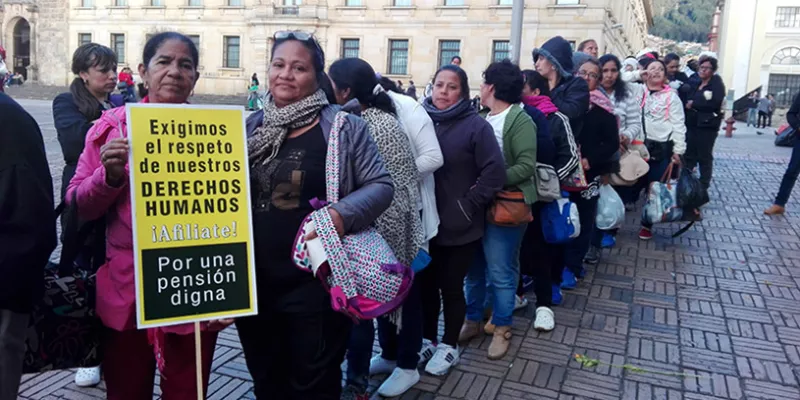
(65, 331)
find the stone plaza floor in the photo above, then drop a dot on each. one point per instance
(711, 315)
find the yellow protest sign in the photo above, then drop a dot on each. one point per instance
(193, 242)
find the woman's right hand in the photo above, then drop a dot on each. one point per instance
(114, 156)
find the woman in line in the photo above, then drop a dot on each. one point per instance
(357, 88)
(473, 172)
(664, 127)
(495, 270)
(598, 143)
(570, 94)
(703, 117)
(295, 345)
(626, 100)
(100, 187)
(74, 113)
(546, 260)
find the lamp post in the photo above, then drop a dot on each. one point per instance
(517, 8)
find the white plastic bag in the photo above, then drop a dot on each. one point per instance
(610, 209)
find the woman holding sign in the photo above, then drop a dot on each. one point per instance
(100, 187)
(295, 345)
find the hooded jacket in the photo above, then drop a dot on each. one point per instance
(571, 94)
(27, 220)
(565, 156)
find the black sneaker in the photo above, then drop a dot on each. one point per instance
(592, 256)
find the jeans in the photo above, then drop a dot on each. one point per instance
(752, 117)
(403, 347)
(789, 177)
(762, 119)
(657, 169)
(445, 274)
(13, 327)
(700, 150)
(496, 263)
(540, 260)
(576, 249)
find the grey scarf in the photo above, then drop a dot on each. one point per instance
(266, 142)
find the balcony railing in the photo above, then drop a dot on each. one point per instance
(287, 10)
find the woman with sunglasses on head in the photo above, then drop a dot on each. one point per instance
(74, 113)
(100, 187)
(295, 345)
(357, 88)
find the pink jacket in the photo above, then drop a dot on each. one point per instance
(116, 298)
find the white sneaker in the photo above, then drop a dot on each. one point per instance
(399, 382)
(445, 357)
(426, 352)
(86, 377)
(379, 365)
(545, 320)
(520, 302)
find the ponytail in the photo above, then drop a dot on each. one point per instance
(358, 76)
(87, 104)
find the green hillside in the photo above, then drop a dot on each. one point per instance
(683, 20)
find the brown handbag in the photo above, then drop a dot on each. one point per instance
(509, 209)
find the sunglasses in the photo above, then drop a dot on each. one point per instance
(303, 37)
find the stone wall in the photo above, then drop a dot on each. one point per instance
(50, 32)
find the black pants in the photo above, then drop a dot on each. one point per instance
(700, 150)
(297, 354)
(540, 260)
(769, 119)
(762, 119)
(445, 274)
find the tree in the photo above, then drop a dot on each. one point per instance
(683, 20)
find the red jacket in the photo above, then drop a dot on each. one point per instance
(126, 77)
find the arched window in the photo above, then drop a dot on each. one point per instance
(787, 56)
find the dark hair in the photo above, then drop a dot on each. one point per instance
(462, 77)
(535, 80)
(712, 60)
(326, 86)
(454, 58)
(85, 57)
(620, 87)
(671, 57)
(155, 43)
(314, 49)
(583, 44)
(411, 82)
(358, 76)
(507, 80)
(389, 85)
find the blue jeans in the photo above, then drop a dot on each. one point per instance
(752, 117)
(496, 269)
(403, 347)
(789, 177)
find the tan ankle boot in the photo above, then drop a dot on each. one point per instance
(500, 342)
(489, 328)
(469, 330)
(775, 210)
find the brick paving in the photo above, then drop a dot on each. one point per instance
(712, 315)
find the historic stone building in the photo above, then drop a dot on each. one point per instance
(404, 39)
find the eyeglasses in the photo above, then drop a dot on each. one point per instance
(705, 68)
(584, 74)
(303, 37)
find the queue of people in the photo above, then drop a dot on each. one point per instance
(459, 189)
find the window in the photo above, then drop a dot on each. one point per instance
(401, 3)
(120, 3)
(572, 44)
(785, 88)
(235, 3)
(787, 17)
(500, 50)
(196, 40)
(505, 2)
(447, 50)
(289, 7)
(349, 48)
(453, 3)
(118, 45)
(157, 3)
(398, 57)
(352, 3)
(195, 3)
(787, 56)
(231, 52)
(567, 2)
(84, 38)
(87, 3)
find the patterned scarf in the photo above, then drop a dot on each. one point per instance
(267, 139)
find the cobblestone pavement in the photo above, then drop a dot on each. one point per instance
(712, 315)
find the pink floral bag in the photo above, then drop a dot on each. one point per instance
(361, 272)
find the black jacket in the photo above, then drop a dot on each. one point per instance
(566, 153)
(704, 111)
(545, 149)
(571, 96)
(793, 115)
(599, 142)
(27, 219)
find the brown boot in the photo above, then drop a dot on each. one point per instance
(775, 210)
(469, 330)
(500, 342)
(489, 328)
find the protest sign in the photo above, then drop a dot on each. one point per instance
(193, 242)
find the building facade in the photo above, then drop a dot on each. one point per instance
(403, 39)
(760, 46)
